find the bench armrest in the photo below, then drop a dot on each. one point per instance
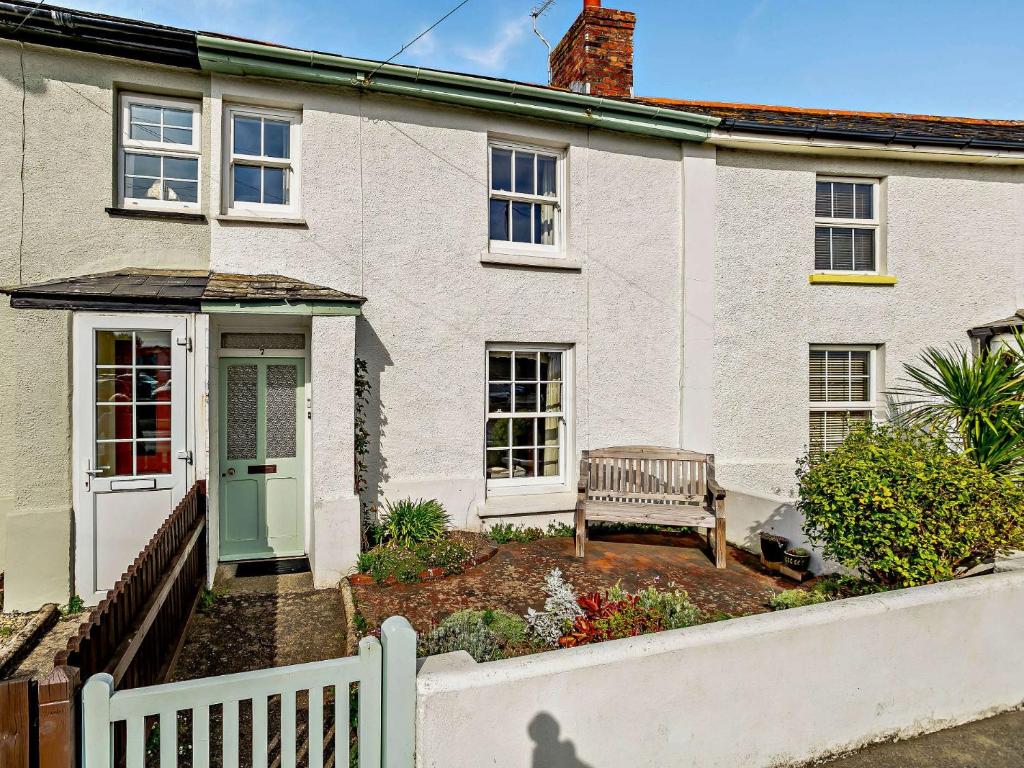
(715, 491)
(581, 487)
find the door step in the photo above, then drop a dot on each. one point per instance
(272, 567)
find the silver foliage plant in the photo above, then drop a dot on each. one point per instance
(560, 610)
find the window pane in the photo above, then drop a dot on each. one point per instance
(275, 138)
(241, 412)
(526, 398)
(153, 458)
(499, 220)
(247, 136)
(546, 175)
(177, 135)
(842, 201)
(498, 463)
(114, 348)
(501, 169)
(822, 248)
(152, 347)
(116, 457)
(182, 118)
(281, 410)
(823, 200)
(499, 398)
(551, 396)
(142, 165)
(521, 225)
(145, 132)
(152, 385)
(526, 366)
(247, 184)
(864, 249)
(860, 363)
(113, 385)
(275, 191)
(500, 365)
(842, 248)
(525, 182)
(549, 462)
(182, 191)
(864, 201)
(524, 463)
(152, 421)
(143, 113)
(523, 432)
(544, 224)
(183, 168)
(550, 366)
(497, 433)
(113, 422)
(550, 432)
(141, 188)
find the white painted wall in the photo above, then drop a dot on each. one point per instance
(954, 236)
(395, 200)
(762, 691)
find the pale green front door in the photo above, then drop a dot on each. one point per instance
(262, 468)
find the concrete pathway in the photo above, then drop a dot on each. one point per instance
(994, 743)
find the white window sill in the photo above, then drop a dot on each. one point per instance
(249, 218)
(529, 503)
(532, 260)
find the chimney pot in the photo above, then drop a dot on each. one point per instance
(591, 3)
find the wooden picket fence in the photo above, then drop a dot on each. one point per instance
(133, 635)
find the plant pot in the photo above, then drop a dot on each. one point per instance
(773, 547)
(797, 561)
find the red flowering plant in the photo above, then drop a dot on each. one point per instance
(617, 614)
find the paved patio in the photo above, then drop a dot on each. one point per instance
(512, 579)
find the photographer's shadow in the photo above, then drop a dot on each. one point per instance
(549, 751)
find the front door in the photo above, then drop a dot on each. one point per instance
(131, 454)
(261, 457)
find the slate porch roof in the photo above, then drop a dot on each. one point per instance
(170, 289)
(1005, 325)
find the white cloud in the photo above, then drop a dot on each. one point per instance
(495, 56)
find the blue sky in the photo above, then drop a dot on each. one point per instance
(950, 57)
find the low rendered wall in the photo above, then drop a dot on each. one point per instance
(770, 690)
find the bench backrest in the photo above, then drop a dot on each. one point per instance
(646, 474)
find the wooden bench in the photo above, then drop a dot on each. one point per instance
(647, 484)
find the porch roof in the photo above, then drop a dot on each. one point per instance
(164, 290)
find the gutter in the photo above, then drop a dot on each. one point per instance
(874, 137)
(96, 33)
(249, 59)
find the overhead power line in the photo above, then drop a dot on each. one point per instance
(416, 39)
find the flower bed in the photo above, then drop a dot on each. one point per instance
(452, 552)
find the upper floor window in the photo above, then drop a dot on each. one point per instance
(526, 194)
(846, 225)
(263, 149)
(160, 148)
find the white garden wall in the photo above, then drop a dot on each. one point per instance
(770, 690)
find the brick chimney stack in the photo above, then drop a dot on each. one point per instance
(596, 54)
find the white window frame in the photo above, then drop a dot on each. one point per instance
(844, 405)
(873, 224)
(529, 249)
(126, 145)
(522, 485)
(292, 164)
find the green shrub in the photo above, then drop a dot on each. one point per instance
(462, 631)
(503, 533)
(409, 522)
(904, 511)
(557, 530)
(444, 553)
(796, 598)
(507, 627)
(387, 560)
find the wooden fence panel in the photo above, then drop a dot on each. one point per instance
(16, 723)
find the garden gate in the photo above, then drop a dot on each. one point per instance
(287, 715)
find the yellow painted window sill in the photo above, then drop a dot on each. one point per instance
(829, 278)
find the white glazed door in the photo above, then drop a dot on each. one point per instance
(130, 439)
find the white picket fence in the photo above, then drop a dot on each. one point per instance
(384, 673)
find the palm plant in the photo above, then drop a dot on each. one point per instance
(972, 403)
